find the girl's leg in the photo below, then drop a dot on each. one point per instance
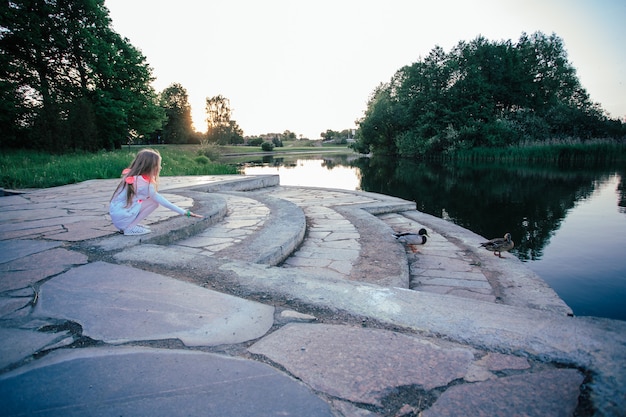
(147, 207)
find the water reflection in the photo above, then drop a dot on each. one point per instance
(331, 172)
(490, 199)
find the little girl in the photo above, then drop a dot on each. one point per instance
(136, 195)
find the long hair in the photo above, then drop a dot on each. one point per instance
(146, 163)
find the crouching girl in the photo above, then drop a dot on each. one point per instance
(136, 196)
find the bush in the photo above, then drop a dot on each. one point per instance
(255, 142)
(267, 146)
(210, 151)
(202, 160)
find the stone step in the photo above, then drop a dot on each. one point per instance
(441, 266)
(342, 235)
(345, 238)
(332, 235)
(259, 229)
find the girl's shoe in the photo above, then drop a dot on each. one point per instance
(136, 231)
(145, 226)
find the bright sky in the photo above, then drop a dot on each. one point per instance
(309, 66)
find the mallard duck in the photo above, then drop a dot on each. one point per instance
(499, 245)
(412, 239)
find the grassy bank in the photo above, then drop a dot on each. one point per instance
(32, 169)
(22, 169)
(561, 153)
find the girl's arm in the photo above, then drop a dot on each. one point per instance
(169, 205)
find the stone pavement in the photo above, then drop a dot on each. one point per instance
(282, 301)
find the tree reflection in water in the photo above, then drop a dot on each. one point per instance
(530, 202)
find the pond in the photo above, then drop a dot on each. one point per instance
(568, 223)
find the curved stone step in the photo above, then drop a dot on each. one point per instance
(331, 242)
(203, 193)
(349, 237)
(174, 227)
(244, 216)
(440, 266)
(258, 228)
(344, 238)
(513, 282)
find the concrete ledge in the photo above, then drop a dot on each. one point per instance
(282, 234)
(240, 184)
(169, 231)
(381, 260)
(213, 207)
(519, 286)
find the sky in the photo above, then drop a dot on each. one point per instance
(310, 66)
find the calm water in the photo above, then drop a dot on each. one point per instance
(568, 224)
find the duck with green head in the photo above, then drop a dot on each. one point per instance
(412, 239)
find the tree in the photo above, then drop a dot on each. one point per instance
(289, 135)
(61, 59)
(178, 124)
(220, 128)
(481, 93)
(236, 134)
(380, 124)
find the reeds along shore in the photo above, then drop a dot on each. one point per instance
(557, 152)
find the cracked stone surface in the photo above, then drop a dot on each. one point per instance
(548, 393)
(117, 304)
(154, 382)
(377, 361)
(480, 336)
(18, 344)
(25, 271)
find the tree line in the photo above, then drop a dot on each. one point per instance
(482, 94)
(178, 125)
(68, 81)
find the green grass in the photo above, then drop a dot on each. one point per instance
(22, 169)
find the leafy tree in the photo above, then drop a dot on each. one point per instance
(218, 120)
(60, 60)
(381, 122)
(255, 142)
(178, 124)
(481, 93)
(339, 138)
(236, 134)
(277, 142)
(288, 135)
(267, 146)
(221, 129)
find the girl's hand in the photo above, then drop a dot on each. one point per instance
(190, 214)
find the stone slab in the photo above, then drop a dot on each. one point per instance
(498, 362)
(15, 249)
(18, 344)
(25, 271)
(10, 306)
(118, 304)
(361, 365)
(550, 393)
(150, 382)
